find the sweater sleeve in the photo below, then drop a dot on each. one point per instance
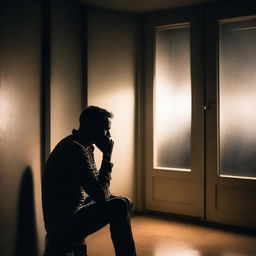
(95, 184)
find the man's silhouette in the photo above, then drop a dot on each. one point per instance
(70, 171)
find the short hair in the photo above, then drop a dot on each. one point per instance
(93, 115)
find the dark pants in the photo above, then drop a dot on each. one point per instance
(94, 216)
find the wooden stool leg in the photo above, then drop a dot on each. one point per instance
(64, 249)
(57, 251)
(79, 249)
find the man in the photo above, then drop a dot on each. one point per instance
(70, 171)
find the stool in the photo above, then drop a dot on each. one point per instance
(57, 248)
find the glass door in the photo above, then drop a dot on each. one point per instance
(200, 113)
(231, 122)
(174, 114)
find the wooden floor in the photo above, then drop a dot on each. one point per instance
(158, 236)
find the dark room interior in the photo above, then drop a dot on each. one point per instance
(180, 79)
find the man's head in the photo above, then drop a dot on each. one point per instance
(95, 123)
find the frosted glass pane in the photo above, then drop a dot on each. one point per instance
(172, 99)
(237, 97)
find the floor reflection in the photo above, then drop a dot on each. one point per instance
(155, 236)
(174, 248)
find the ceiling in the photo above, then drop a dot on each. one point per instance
(142, 5)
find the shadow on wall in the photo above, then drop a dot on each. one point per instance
(26, 239)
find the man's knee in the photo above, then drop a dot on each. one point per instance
(129, 202)
(120, 205)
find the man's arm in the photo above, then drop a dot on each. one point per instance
(94, 183)
(106, 147)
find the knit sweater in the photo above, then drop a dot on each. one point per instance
(69, 173)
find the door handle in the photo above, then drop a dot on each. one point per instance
(209, 105)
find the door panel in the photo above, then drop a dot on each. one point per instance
(174, 113)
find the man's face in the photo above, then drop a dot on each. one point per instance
(103, 130)
(106, 128)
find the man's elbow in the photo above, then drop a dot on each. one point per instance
(102, 197)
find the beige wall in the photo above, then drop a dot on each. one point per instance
(111, 85)
(66, 69)
(20, 128)
(21, 223)
(111, 80)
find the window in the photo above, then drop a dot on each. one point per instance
(172, 98)
(237, 96)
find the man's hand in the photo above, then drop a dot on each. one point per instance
(105, 145)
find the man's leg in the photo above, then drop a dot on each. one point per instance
(94, 216)
(120, 226)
